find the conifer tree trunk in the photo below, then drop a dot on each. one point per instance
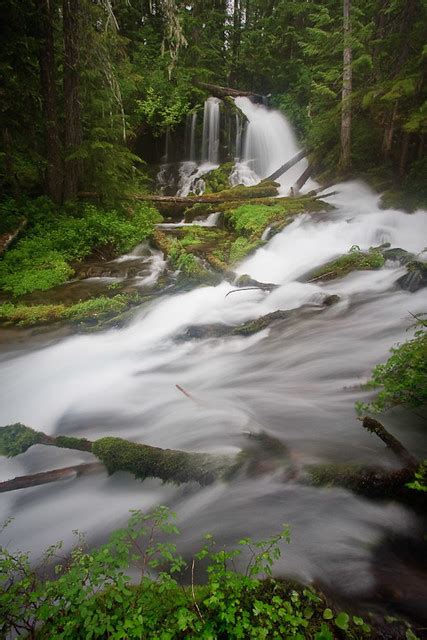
(73, 136)
(54, 176)
(346, 90)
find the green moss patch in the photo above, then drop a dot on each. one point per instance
(355, 260)
(169, 465)
(218, 179)
(96, 308)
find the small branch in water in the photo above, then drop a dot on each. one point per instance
(246, 289)
(186, 393)
(45, 477)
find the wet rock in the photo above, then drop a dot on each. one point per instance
(415, 278)
(398, 255)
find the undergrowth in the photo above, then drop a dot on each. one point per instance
(402, 380)
(89, 594)
(57, 238)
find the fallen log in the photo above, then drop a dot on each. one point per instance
(177, 466)
(288, 165)
(222, 92)
(45, 477)
(7, 238)
(402, 454)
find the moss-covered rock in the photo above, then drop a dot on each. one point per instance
(17, 438)
(94, 309)
(218, 179)
(355, 260)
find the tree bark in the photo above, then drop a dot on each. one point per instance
(54, 175)
(73, 134)
(346, 90)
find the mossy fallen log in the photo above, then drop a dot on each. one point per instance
(264, 453)
(223, 92)
(251, 327)
(288, 165)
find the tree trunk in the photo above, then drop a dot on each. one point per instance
(54, 176)
(346, 91)
(8, 163)
(285, 167)
(73, 136)
(302, 179)
(389, 133)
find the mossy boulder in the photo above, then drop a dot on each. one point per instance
(218, 179)
(415, 278)
(355, 260)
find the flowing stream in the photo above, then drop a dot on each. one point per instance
(298, 381)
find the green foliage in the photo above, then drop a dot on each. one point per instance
(403, 378)
(91, 595)
(184, 261)
(420, 478)
(16, 439)
(56, 238)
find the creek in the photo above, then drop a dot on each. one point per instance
(298, 381)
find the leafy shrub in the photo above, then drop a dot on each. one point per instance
(403, 377)
(92, 597)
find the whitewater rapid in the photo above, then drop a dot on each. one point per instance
(297, 380)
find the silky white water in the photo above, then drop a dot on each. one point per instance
(297, 380)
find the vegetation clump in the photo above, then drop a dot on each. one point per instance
(16, 439)
(402, 380)
(354, 260)
(218, 179)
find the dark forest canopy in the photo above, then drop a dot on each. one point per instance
(89, 84)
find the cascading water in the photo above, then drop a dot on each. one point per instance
(268, 143)
(298, 381)
(210, 141)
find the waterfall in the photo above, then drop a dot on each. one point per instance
(165, 158)
(193, 137)
(268, 142)
(210, 141)
(238, 143)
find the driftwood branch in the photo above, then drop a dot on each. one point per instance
(288, 165)
(45, 477)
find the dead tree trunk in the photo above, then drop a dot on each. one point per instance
(302, 180)
(46, 477)
(222, 92)
(346, 90)
(288, 165)
(54, 176)
(73, 134)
